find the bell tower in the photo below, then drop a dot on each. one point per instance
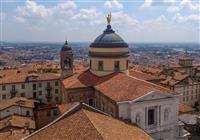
(66, 60)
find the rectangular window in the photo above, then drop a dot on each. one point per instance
(48, 113)
(34, 86)
(40, 85)
(90, 63)
(100, 65)
(56, 90)
(117, 66)
(4, 97)
(183, 99)
(34, 94)
(55, 112)
(13, 87)
(22, 94)
(23, 86)
(40, 93)
(48, 84)
(126, 64)
(56, 83)
(151, 116)
(56, 99)
(3, 87)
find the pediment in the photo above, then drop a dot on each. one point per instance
(153, 96)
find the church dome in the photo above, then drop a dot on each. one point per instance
(109, 39)
(66, 47)
(108, 53)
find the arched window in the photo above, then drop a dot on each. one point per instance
(166, 114)
(137, 119)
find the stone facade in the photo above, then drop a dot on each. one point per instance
(47, 91)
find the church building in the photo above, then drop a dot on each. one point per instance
(107, 86)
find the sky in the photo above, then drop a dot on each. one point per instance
(143, 21)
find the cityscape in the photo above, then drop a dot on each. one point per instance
(93, 77)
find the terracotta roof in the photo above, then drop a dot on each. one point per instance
(126, 88)
(84, 122)
(19, 76)
(143, 76)
(42, 119)
(183, 108)
(65, 107)
(117, 86)
(16, 135)
(175, 79)
(85, 79)
(17, 121)
(18, 101)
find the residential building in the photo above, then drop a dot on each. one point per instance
(44, 87)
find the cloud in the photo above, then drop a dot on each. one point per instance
(122, 18)
(86, 14)
(193, 18)
(184, 4)
(67, 5)
(113, 4)
(31, 8)
(173, 9)
(148, 3)
(188, 4)
(33, 12)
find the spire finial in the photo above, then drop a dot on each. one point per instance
(109, 17)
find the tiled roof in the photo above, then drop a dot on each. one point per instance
(16, 135)
(175, 79)
(85, 79)
(183, 108)
(17, 76)
(42, 119)
(86, 123)
(117, 86)
(143, 76)
(17, 101)
(17, 121)
(65, 107)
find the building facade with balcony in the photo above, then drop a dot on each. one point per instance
(44, 87)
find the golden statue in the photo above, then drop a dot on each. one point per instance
(109, 17)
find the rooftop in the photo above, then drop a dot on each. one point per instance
(20, 76)
(18, 101)
(84, 122)
(117, 86)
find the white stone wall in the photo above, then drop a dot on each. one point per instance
(164, 128)
(15, 110)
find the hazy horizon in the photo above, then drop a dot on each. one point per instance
(147, 21)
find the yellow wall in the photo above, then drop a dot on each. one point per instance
(108, 49)
(108, 65)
